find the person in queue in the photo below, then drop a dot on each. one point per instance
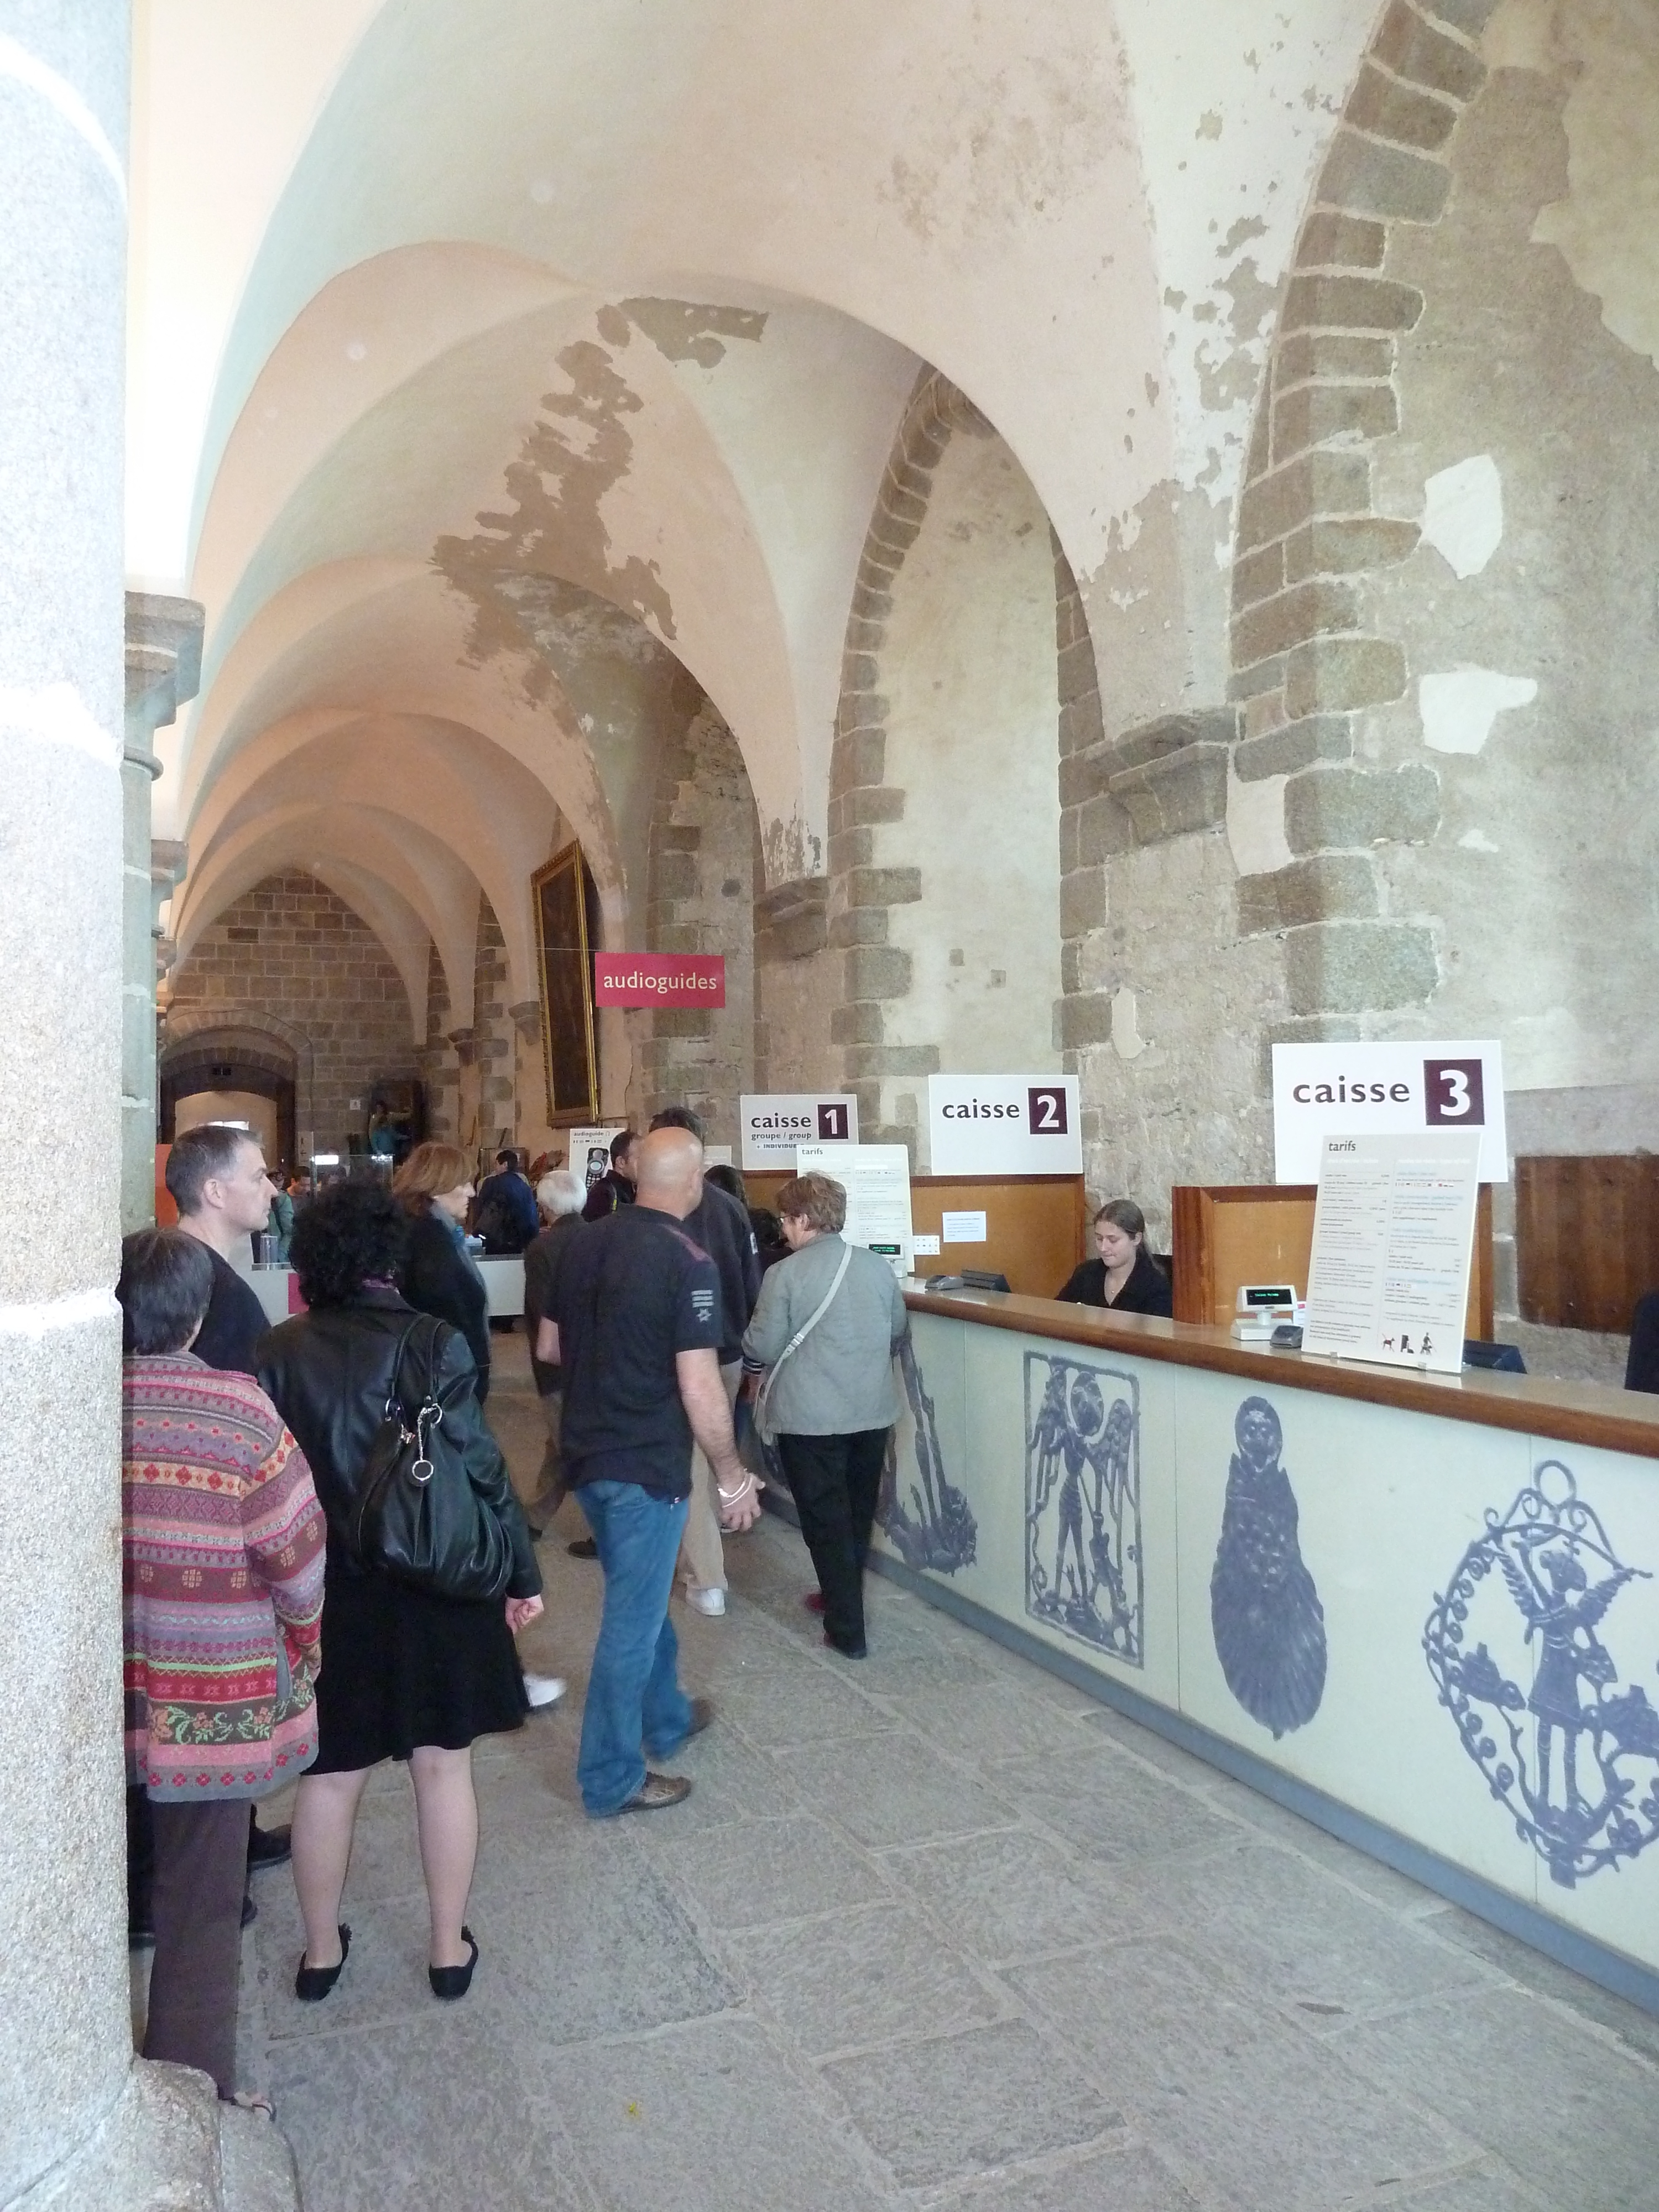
(767, 1229)
(413, 1675)
(722, 1226)
(216, 1177)
(559, 1199)
(1123, 1276)
(505, 1215)
(832, 1401)
(635, 1326)
(222, 1580)
(440, 1276)
(615, 1188)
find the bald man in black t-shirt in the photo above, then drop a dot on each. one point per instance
(636, 1324)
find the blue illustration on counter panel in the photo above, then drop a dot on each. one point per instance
(1083, 1565)
(939, 1531)
(1567, 1757)
(1264, 1612)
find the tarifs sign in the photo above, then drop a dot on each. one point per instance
(1385, 1090)
(658, 979)
(1003, 1125)
(774, 1122)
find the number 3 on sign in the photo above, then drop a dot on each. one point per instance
(1454, 1094)
(1047, 1110)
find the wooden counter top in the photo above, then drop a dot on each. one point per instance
(1570, 1412)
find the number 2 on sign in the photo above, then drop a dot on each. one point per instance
(1047, 1110)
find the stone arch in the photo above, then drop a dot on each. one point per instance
(950, 481)
(197, 1037)
(1310, 660)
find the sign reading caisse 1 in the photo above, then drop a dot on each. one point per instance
(1396, 1090)
(1003, 1125)
(774, 1123)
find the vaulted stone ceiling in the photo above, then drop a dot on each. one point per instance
(490, 364)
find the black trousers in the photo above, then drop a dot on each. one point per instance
(196, 1897)
(835, 1482)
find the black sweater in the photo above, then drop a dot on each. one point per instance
(437, 1279)
(1146, 1291)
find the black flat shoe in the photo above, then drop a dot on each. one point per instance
(451, 1981)
(312, 1984)
(269, 1847)
(583, 1548)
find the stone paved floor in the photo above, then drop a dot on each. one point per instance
(933, 1930)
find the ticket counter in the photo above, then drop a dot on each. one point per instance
(1420, 1610)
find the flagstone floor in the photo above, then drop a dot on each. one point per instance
(931, 1930)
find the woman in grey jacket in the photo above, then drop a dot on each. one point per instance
(831, 1403)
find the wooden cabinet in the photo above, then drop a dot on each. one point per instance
(1587, 1238)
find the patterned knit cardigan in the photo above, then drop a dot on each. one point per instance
(222, 1550)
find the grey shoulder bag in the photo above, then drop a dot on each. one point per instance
(762, 1403)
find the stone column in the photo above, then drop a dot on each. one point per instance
(80, 2122)
(163, 669)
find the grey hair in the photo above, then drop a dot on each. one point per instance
(558, 1192)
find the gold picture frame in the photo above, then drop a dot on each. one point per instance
(566, 909)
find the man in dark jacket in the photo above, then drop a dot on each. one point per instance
(505, 1215)
(723, 1228)
(615, 1187)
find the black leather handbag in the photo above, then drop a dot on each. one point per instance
(417, 1518)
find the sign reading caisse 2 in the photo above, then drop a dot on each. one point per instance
(1003, 1125)
(1393, 1089)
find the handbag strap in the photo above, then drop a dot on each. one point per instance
(395, 1396)
(805, 1330)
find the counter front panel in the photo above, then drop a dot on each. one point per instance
(1447, 1628)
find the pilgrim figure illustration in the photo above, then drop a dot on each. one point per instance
(1264, 1612)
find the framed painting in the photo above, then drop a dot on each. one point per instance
(566, 907)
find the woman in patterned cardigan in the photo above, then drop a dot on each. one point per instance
(222, 1551)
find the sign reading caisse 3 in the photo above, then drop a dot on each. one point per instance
(1394, 1089)
(1003, 1125)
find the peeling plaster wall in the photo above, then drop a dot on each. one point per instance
(969, 671)
(1534, 671)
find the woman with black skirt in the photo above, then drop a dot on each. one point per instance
(411, 1675)
(438, 1274)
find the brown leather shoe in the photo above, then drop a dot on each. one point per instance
(657, 1792)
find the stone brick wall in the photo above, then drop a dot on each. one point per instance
(702, 869)
(290, 956)
(1309, 660)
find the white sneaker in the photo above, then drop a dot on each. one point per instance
(711, 1602)
(543, 1689)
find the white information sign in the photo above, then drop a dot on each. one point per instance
(963, 1229)
(877, 1181)
(1385, 1090)
(1393, 1231)
(1003, 1125)
(589, 1155)
(774, 1122)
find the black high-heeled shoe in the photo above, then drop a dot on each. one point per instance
(312, 1984)
(449, 1982)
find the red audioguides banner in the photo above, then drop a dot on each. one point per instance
(658, 979)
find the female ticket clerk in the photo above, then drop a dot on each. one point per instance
(1125, 1277)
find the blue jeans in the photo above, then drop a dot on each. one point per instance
(634, 1703)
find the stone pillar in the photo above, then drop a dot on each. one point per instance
(163, 669)
(80, 2122)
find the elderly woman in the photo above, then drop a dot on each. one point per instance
(440, 1276)
(830, 1319)
(413, 1675)
(1123, 1276)
(222, 1550)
